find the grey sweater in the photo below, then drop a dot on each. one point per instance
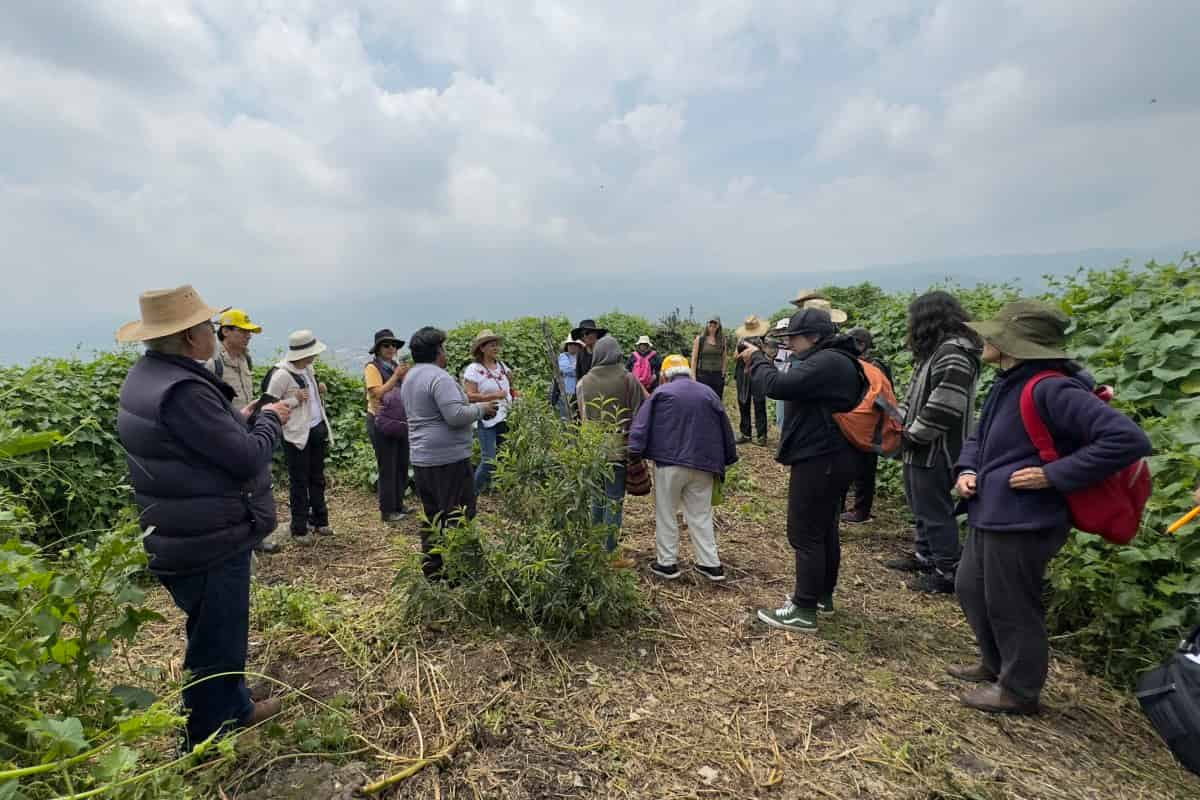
(439, 416)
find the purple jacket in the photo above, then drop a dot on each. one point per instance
(1093, 439)
(391, 420)
(683, 424)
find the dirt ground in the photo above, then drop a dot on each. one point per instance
(702, 702)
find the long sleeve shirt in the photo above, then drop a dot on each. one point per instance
(439, 416)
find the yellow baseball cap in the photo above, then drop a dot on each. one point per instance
(674, 365)
(236, 318)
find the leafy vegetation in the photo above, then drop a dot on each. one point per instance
(539, 561)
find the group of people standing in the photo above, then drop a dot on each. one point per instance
(200, 445)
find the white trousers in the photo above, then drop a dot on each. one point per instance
(692, 488)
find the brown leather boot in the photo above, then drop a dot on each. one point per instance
(971, 673)
(263, 711)
(995, 699)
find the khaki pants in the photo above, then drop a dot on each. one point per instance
(692, 488)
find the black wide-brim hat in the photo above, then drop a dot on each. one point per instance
(588, 326)
(383, 337)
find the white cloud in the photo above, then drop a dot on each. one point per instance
(316, 143)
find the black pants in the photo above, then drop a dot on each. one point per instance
(306, 480)
(759, 403)
(863, 484)
(928, 492)
(714, 381)
(815, 489)
(391, 459)
(999, 586)
(447, 493)
(217, 605)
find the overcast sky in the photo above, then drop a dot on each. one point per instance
(305, 149)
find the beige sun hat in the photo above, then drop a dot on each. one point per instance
(167, 311)
(644, 340)
(301, 345)
(806, 294)
(483, 337)
(752, 327)
(836, 315)
(569, 341)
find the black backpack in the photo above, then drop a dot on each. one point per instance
(266, 380)
(1170, 697)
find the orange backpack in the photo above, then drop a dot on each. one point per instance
(875, 424)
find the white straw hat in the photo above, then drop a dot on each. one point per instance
(301, 345)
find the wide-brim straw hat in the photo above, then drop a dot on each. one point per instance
(1026, 329)
(752, 327)
(167, 311)
(301, 345)
(835, 314)
(806, 294)
(483, 337)
(569, 341)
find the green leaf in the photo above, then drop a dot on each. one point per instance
(65, 651)
(65, 736)
(133, 696)
(8, 790)
(20, 444)
(115, 762)
(65, 586)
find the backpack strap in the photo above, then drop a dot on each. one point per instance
(1035, 426)
(218, 366)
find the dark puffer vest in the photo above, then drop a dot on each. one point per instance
(204, 505)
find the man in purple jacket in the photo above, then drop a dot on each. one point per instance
(1016, 504)
(684, 430)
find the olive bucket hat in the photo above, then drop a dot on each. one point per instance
(1026, 329)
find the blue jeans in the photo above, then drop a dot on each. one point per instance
(779, 406)
(490, 440)
(608, 510)
(217, 604)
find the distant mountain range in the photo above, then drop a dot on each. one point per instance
(347, 322)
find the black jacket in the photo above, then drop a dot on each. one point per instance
(200, 476)
(818, 383)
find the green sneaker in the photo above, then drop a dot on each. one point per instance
(825, 604)
(790, 618)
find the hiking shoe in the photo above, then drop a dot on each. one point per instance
(936, 582)
(790, 618)
(323, 530)
(761, 441)
(995, 699)
(714, 574)
(263, 711)
(666, 573)
(305, 539)
(743, 439)
(909, 562)
(971, 673)
(825, 604)
(855, 518)
(267, 547)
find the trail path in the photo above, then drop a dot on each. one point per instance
(703, 702)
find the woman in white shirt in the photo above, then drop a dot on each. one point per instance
(487, 379)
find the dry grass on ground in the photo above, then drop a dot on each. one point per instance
(703, 702)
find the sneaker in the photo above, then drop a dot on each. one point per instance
(761, 441)
(743, 439)
(666, 573)
(855, 518)
(305, 539)
(323, 530)
(267, 547)
(789, 618)
(394, 518)
(714, 574)
(825, 605)
(909, 563)
(935, 582)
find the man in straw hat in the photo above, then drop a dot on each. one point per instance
(202, 483)
(232, 362)
(751, 332)
(1017, 509)
(307, 436)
